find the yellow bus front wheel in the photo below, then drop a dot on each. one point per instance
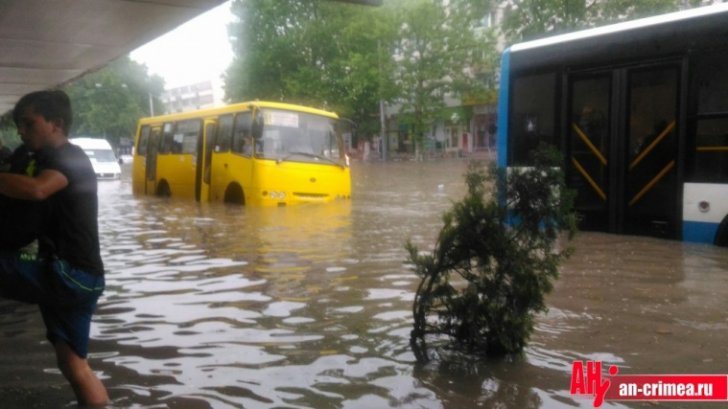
(234, 195)
(163, 189)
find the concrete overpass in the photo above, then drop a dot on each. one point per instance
(44, 43)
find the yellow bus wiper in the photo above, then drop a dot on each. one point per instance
(308, 155)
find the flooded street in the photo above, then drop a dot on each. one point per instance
(211, 306)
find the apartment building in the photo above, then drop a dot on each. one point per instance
(189, 97)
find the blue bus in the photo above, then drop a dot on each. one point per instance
(640, 112)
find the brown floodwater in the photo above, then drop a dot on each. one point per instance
(211, 306)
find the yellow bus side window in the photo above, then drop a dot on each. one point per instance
(242, 137)
(167, 138)
(188, 134)
(143, 141)
(224, 134)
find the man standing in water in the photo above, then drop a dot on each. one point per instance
(66, 277)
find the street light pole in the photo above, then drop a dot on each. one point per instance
(382, 122)
(151, 104)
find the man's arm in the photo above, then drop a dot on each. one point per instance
(35, 188)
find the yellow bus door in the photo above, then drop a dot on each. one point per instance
(205, 146)
(150, 186)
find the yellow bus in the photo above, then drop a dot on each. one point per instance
(253, 153)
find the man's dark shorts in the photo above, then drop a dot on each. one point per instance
(66, 296)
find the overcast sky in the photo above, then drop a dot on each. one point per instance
(196, 51)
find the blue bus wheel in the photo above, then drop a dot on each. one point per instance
(721, 237)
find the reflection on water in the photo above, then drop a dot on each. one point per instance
(210, 306)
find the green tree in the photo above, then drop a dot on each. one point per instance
(530, 19)
(365, 69)
(266, 42)
(423, 67)
(108, 102)
(348, 58)
(324, 54)
(440, 54)
(494, 260)
(474, 48)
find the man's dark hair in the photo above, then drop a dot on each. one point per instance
(50, 104)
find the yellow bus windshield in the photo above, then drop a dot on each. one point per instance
(298, 137)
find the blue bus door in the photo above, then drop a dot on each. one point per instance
(622, 149)
(651, 199)
(589, 156)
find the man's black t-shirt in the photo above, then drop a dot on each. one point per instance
(70, 227)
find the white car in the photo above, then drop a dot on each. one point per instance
(103, 159)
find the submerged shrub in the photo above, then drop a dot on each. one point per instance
(495, 259)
